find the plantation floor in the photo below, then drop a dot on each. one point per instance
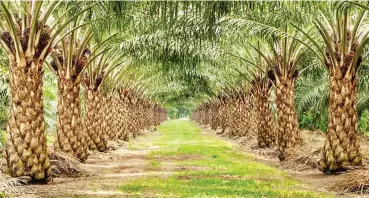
(177, 160)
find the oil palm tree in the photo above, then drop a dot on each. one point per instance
(255, 72)
(27, 35)
(70, 58)
(281, 52)
(97, 71)
(344, 33)
(283, 56)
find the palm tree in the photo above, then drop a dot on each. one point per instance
(70, 59)
(283, 62)
(27, 37)
(344, 33)
(97, 71)
(281, 53)
(256, 74)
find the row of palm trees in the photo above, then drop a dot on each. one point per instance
(30, 35)
(273, 57)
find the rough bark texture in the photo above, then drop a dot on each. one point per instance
(25, 152)
(116, 116)
(70, 137)
(123, 118)
(287, 130)
(109, 112)
(247, 126)
(93, 120)
(223, 116)
(232, 118)
(264, 117)
(342, 146)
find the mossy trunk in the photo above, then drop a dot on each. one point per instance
(25, 152)
(70, 136)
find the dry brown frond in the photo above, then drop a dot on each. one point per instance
(306, 156)
(64, 164)
(356, 182)
(9, 185)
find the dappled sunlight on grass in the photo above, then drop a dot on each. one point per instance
(219, 169)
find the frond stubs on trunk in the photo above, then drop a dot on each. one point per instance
(287, 129)
(265, 122)
(70, 136)
(93, 120)
(342, 146)
(26, 152)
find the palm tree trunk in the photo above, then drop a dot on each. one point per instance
(117, 120)
(93, 120)
(244, 114)
(236, 118)
(70, 137)
(232, 119)
(217, 114)
(265, 123)
(108, 111)
(25, 152)
(223, 117)
(287, 130)
(123, 120)
(342, 146)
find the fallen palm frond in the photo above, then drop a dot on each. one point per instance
(63, 164)
(303, 158)
(247, 140)
(354, 182)
(112, 145)
(265, 152)
(306, 156)
(252, 143)
(9, 185)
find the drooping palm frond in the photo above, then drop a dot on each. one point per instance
(311, 93)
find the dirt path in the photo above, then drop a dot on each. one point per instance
(131, 162)
(104, 171)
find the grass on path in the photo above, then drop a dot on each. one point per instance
(211, 168)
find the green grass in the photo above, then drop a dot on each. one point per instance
(50, 137)
(215, 168)
(155, 163)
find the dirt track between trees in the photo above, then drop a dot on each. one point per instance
(106, 171)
